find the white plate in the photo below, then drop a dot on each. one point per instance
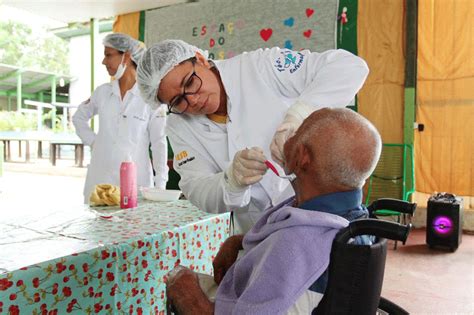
(160, 195)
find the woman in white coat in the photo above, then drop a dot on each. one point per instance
(127, 125)
(230, 116)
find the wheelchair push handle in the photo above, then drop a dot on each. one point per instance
(392, 204)
(385, 229)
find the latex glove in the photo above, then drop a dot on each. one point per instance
(285, 131)
(226, 256)
(247, 168)
(293, 119)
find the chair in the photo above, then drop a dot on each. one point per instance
(394, 177)
(356, 271)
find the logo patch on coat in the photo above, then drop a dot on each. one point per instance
(183, 158)
(181, 155)
(289, 61)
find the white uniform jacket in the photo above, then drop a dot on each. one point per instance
(126, 126)
(261, 86)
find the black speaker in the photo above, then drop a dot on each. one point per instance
(444, 221)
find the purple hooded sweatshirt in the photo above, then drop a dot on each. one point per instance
(285, 252)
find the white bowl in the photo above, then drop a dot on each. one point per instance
(156, 194)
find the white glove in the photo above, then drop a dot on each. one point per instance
(293, 119)
(247, 168)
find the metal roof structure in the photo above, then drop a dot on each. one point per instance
(31, 81)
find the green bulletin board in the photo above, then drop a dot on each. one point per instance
(348, 38)
(347, 30)
(227, 28)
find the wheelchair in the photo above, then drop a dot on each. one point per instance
(356, 271)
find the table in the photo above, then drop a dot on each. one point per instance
(108, 261)
(7, 136)
(74, 140)
(55, 140)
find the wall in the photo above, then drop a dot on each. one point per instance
(228, 28)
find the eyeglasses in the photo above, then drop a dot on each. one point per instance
(180, 103)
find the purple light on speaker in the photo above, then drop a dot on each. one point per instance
(442, 225)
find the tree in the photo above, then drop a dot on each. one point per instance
(41, 51)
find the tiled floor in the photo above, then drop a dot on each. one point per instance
(426, 281)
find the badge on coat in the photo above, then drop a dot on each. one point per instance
(182, 158)
(289, 61)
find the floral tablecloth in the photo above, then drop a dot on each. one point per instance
(103, 260)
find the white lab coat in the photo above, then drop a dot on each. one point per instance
(261, 86)
(126, 127)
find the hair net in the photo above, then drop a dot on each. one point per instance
(125, 43)
(157, 61)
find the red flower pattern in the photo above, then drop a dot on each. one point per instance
(60, 267)
(104, 254)
(110, 276)
(5, 284)
(36, 282)
(67, 291)
(85, 267)
(13, 310)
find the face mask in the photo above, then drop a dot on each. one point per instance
(120, 70)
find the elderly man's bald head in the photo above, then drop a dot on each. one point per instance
(343, 146)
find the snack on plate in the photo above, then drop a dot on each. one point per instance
(105, 195)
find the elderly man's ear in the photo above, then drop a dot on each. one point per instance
(300, 160)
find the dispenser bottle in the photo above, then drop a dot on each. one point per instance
(128, 184)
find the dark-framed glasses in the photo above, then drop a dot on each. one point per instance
(179, 104)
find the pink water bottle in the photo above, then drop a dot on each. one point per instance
(128, 184)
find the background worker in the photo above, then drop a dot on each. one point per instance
(127, 125)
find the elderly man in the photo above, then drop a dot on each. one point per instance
(286, 254)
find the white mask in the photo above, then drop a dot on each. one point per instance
(120, 70)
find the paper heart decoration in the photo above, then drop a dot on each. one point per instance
(309, 12)
(266, 33)
(288, 44)
(307, 33)
(289, 22)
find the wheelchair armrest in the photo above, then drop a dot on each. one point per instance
(392, 204)
(379, 228)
